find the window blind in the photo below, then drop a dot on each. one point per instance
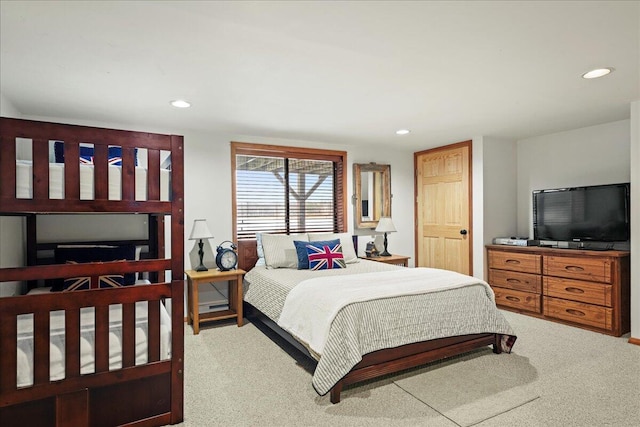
(287, 194)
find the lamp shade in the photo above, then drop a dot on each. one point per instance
(385, 225)
(200, 230)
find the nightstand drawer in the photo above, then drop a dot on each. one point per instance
(513, 261)
(584, 268)
(515, 299)
(578, 312)
(520, 281)
(589, 292)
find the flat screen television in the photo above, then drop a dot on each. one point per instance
(598, 213)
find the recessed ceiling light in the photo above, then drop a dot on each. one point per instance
(598, 72)
(180, 103)
(402, 131)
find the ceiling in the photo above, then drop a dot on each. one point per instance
(334, 72)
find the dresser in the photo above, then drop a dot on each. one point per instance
(588, 289)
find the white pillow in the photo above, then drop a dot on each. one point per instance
(279, 250)
(259, 250)
(348, 251)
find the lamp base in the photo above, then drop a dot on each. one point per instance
(201, 267)
(385, 252)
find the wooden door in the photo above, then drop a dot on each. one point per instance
(443, 208)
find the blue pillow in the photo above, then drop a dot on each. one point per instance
(301, 250)
(86, 154)
(325, 257)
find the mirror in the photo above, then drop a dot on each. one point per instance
(372, 198)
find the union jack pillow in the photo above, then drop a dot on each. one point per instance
(86, 154)
(82, 283)
(115, 155)
(301, 250)
(325, 257)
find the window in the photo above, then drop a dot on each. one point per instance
(287, 190)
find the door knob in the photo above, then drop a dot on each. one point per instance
(463, 232)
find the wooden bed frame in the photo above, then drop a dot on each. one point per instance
(149, 394)
(381, 362)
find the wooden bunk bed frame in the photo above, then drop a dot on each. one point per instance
(147, 394)
(381, 362)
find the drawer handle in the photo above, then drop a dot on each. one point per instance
(574, 268)
(575, 312)
(513, 280)
(574, 290)
(512, 261)
(513, 299)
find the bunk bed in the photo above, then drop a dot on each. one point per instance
(132, 372)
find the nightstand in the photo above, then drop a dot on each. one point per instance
(195, 278)
(393, 259)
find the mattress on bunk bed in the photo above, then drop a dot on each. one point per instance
(87, 341)
(24, 181)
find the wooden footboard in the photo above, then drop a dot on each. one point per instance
(392, 360)
(116, 397)
(388, 361)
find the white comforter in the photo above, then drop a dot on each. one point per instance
(312, 305)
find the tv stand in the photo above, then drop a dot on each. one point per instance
(588, 288)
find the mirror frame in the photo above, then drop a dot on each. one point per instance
(358, 169)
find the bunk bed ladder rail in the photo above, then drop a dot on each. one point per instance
(71, 404)
(40, 134)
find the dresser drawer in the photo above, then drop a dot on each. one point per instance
(578, 312)
(524, 263)
(589, 292)
(584, 268)
(519, 281)
(524, 301)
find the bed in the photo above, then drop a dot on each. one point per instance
(395, 318)
(110, 354)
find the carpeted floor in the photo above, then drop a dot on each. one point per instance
(555, 376)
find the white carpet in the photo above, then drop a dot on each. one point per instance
(472, 388)
(556, 376)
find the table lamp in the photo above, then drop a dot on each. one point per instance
(385, 225)
(198, 232)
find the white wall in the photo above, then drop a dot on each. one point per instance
(586, 156)
(635, 223)
(601, 154)
(494, 195)
(7, 109)
(12, 246)
(12, 251)
(402, 200)
(208, 189)
(477, 207)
